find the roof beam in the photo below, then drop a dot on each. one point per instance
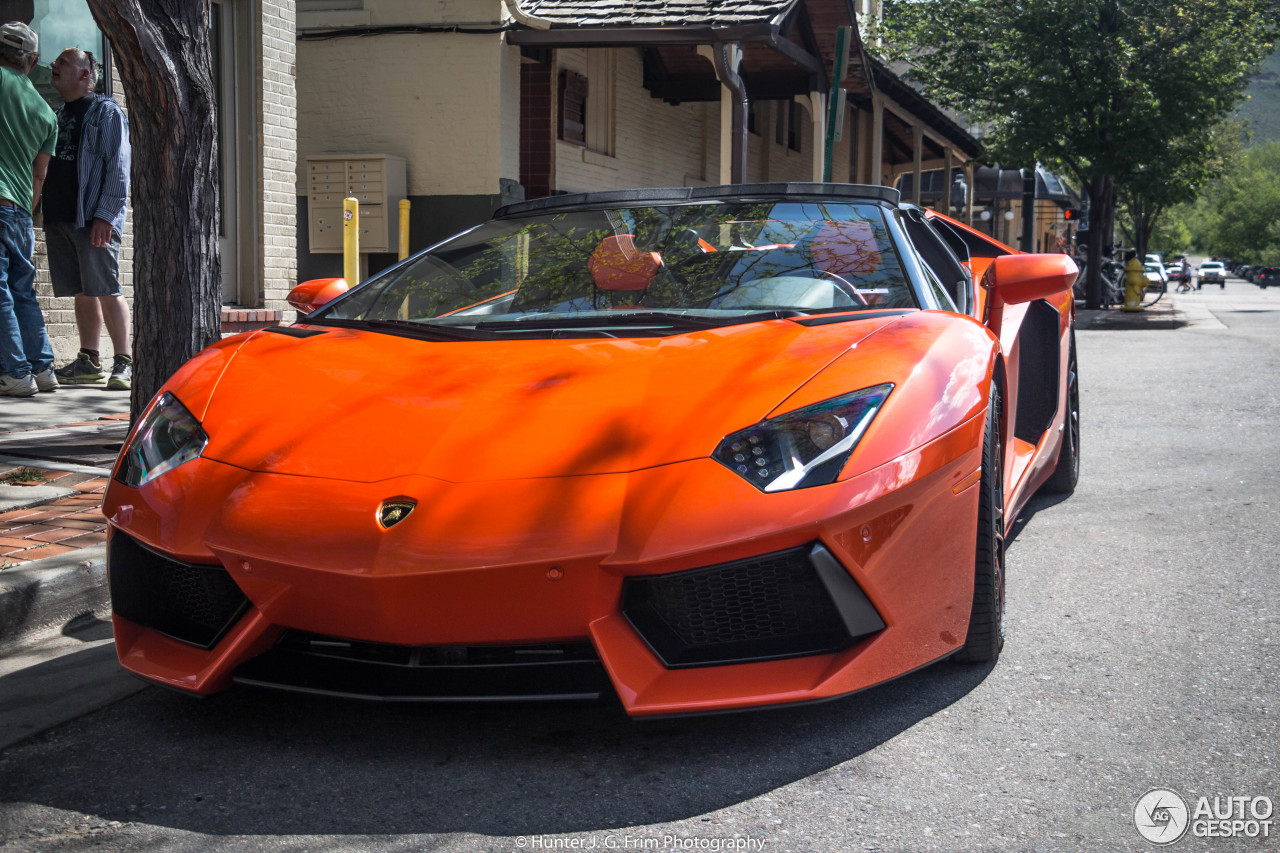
(761, 87)
(766, 35)
(913, 120)
(643, 36)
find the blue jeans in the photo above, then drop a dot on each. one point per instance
(24, 343)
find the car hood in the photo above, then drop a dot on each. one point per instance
(364, 406)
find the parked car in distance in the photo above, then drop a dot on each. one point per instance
(1267, 277)
(1157, 278)
(1212, 272)
(1153, 258)
(1173, 272)
(1242, 271)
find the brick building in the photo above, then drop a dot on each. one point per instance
(253, 47)
(487, 104)
(483, 103)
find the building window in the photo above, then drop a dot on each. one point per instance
(572, 124)
(752, 124)
(600, 102)
(60, 24)
(795, 121)
(780, 122)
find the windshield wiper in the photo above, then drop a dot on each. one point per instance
(635, 319)
(423, 331)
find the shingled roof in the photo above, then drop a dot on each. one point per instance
(655, 13)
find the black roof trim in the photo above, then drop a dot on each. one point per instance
(680, 195)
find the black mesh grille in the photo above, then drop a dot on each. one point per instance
(765, 607)
(192, 603)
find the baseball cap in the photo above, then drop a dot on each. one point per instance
(19, 35)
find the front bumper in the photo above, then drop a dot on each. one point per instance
(483, 579)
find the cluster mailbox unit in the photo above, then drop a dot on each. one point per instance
(377, 181)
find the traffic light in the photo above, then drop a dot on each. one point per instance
(1071, 214)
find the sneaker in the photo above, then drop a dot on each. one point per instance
(14, 386)
(121, 374)
(46, 380)
(82, 371)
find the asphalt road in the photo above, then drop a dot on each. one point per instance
(1144, 627)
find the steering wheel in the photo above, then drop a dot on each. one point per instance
(845, 286)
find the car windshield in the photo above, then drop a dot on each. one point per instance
(710, 264)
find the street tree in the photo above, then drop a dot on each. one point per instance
(1096, 87)
(1246, 204)
(1196, 156)
(161, 51)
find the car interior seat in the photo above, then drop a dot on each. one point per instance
(621, 270)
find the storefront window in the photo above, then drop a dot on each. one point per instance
(60, 24)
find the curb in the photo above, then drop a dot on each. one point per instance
(25, 497)
(43, 596)
(1163, 315)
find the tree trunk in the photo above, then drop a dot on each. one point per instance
(1101, 214)
(161, 50)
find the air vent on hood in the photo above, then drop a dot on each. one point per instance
(294, 332)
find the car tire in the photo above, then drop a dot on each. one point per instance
(1067, 472)
(985, 638)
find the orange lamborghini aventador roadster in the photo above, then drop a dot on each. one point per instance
(700, 449)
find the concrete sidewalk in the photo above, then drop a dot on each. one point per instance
(55, 458)
(56, 659)
(1165, 314)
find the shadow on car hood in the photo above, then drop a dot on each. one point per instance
(363, 406)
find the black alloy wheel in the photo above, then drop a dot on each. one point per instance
(1067, 472)
(986, 619)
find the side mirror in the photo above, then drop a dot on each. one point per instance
(1013, 279)
(310, 295)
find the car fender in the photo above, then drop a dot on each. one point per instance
(195, 381)
(941, 365)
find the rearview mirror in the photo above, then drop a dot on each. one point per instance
(1013, 279)
(310, 295)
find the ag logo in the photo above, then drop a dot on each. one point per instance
(1161, 816)
(394, 511)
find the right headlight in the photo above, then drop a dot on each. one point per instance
(168, 436)
(807, 447)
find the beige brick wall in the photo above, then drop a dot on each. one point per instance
(767, 161)
(658, 144)
(279, 135)
(447, 103)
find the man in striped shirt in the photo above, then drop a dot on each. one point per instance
(84, 210)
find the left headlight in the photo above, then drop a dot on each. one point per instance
(807, 447)
(169, 435)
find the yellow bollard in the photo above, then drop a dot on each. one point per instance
(1135, 283)
(351, 241)
(404, 228)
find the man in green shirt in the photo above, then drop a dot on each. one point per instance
(28, 135)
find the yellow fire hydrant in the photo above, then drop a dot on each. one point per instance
(1135, 283)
